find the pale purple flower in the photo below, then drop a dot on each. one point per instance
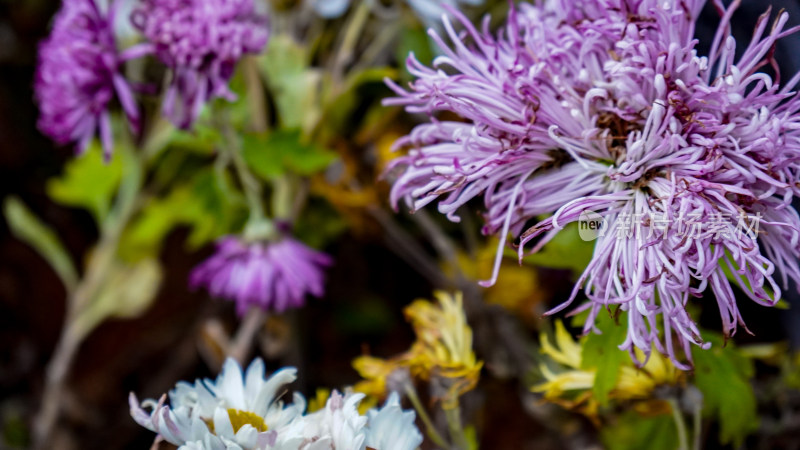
(606, 106)
(78, 76)
(200, 41)
(274, 276)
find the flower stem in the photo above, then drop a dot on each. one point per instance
(453, 416)
(424, 417)
(683, 439)
(95, 276)
(697, 426)
(242, 343)
(250, 184)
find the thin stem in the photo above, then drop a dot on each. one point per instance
(95, 276)
(250, 185)
(256, 97)
(424, 417)
(683, 439)
(697, 426)
(352, 33)
(453, 416)
(243, 340)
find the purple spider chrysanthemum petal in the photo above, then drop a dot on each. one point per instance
(273, 276)
(78, 76)
(605, 106)
(201, 42)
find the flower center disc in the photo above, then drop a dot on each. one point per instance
(242, 418)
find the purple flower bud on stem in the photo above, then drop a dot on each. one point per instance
(273, 276)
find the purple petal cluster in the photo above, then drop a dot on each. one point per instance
(78, 76)
(606, 106)
(200, 41)
(274, 276)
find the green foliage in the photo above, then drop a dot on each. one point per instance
(631, 431)
(413, 39)
(207, 204)
(341, 103)
(89, 182)
(270, 156)
(601, 352)
(320, 225)
(202, 139)
(295, 87)
(128, 291)
(723, 376)
(565, 251)
(28, 228)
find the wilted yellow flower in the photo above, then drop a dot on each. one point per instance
(318, 401)
(443, 349)
(375, 371)
(444, 343)
(571, 388)
(518, 290)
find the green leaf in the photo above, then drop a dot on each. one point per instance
(207, 204)
(340, 105)
(272, 155)
(88, 182)
(319, 225)
(285, 67)
(26, 227)
(127, 293)
(413, 39)
(723, 376)
(201, 139)
(633, 432)
(565, 251)
(601, 352)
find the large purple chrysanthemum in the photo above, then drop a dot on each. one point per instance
(78, 76)
(273, 276)
(605, 106)
(200, 41)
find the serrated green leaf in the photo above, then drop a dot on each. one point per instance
(26, 227)
(565, 251)
(88, 182)
(632, 431)
(601, 352)
(272, 155)
(723, 376)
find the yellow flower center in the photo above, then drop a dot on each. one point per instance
(241, 418)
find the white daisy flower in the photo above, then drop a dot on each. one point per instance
(391, 428)
(233, 412)
(242, 412)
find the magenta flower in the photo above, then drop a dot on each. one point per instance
(605, 106)
(200, 41)
(78, 76)
(273, 276)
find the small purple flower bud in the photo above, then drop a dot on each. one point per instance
(273, 276)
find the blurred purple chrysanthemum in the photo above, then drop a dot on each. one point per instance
(605, 106)
(78, 76)
(273, 276)
(200, 41)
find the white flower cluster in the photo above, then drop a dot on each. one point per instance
(242, 412)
